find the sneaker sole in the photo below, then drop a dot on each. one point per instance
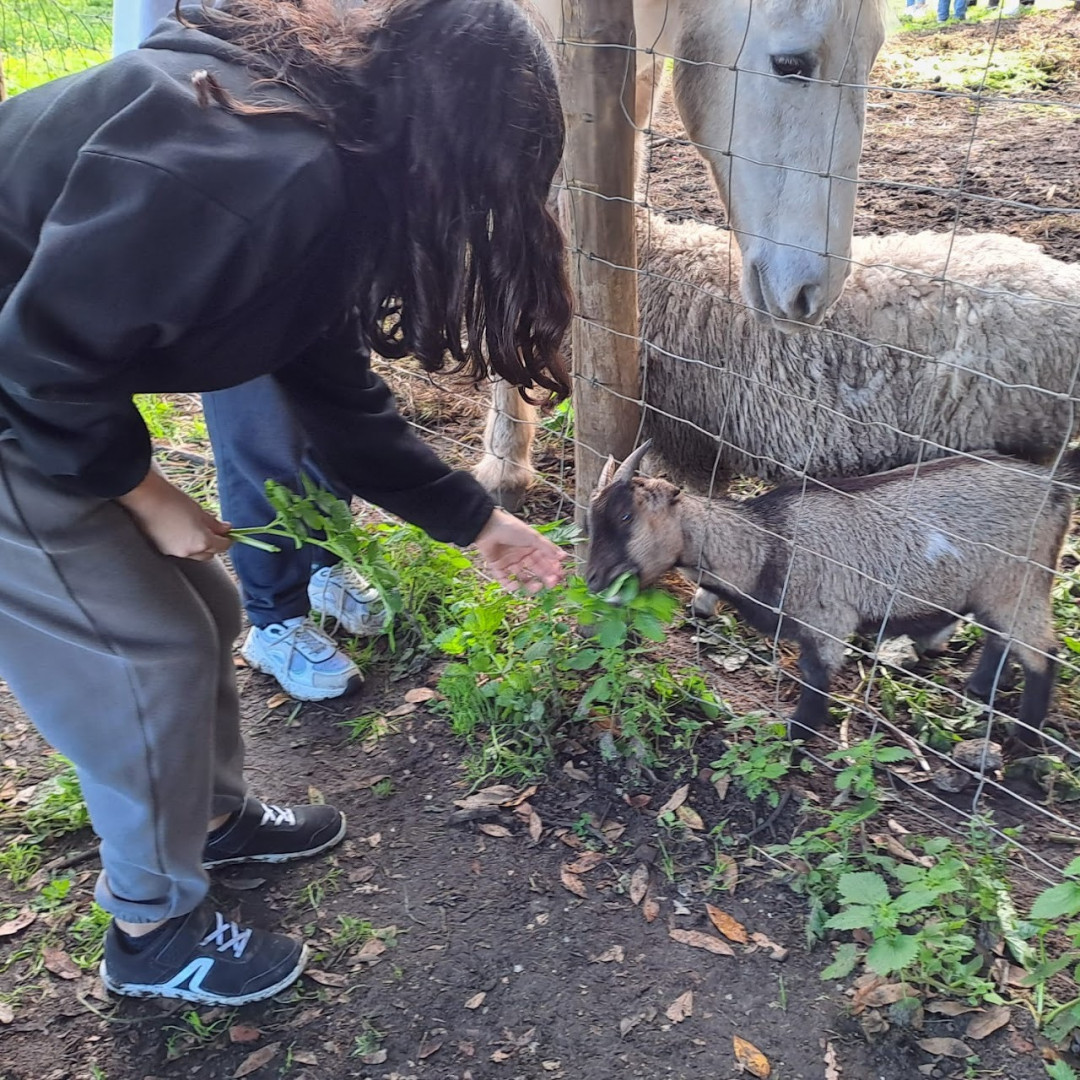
(280, 857)
(309, 693)
(149, 990)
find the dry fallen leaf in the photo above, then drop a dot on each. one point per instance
(243, 1033)
(639, 883)
(946, 1047)
(720, 786)
(501, 1055)
(650, 908)
(273, 703)
(7, 1013)
(305, 1057)
(681, 1008)
(950, 1008)
(476, 1000)
(895, 848)
(751, 1058)
(60, 964)
(494, 830)
(400, 710)
(832, 1064)
(572, 882)
(376, 1057)
(690, 818)
(777, 952)
(498, 795)
(256, 1060)
(536, 827)
(885, 994)
(575, 773)
(616, 953)
(988, 1022)
(428, 1048)
(589, 861)
(528, 793)
(371, 949)
(729, 927)
(419, 694)
(20, 922)
(728, 869)
(678, 797)
(637, 802)
(699, 940)
(326, 978)
(628, 1023)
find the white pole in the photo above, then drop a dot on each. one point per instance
(134, 19)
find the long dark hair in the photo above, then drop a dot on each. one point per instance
(448, 118)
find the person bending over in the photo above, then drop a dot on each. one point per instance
(262, 189)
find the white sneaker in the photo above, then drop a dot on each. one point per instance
(339, 593)
(304, 660)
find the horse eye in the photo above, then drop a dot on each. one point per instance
(792, 65)
(625, 518)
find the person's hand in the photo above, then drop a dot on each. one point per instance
(517, 555)
(175, 523)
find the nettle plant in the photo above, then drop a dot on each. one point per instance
(520, 666)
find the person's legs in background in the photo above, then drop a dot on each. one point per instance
(255, 438)
(122, 658)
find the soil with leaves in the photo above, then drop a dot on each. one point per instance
(544, 930)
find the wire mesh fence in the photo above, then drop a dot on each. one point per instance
(956, 338)
(945, 340)
(44, 39)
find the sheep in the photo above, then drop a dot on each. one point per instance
(905, 367)
(900, 552)
(986, 360)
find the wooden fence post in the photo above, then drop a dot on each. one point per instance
(598, 96)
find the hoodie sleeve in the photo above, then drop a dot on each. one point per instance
(127, 259)
(350, 415)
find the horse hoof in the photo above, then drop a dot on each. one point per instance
(506, 484)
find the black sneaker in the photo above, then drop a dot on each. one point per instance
(262, 833)
(205, 958)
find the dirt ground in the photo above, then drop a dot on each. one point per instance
(488, 963)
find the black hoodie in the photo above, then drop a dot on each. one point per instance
(148, 245)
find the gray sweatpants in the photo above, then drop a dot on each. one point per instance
(121, 657)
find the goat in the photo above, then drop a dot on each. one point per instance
(900, 552)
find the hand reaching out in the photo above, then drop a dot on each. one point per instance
(517, 556)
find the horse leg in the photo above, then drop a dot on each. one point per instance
(505, 469)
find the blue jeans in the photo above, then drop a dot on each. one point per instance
(959, 9)
(256, 439)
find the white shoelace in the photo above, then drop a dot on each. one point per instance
(277, 815)
(309, 640)
(236, 940)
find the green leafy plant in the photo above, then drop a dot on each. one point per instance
(19, 861)
(758, 756)
(859, 762)
(1051, 907)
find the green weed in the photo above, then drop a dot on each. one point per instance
(19, 861)
(87, 934)
(56, 807)
(758, 756)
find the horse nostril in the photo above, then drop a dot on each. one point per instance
(806, 302)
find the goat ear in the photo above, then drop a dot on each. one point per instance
(606, 474)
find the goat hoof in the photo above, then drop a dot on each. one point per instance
(985, 688)
(703, 606)
(504, 482)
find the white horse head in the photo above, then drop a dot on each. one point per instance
(772, 91)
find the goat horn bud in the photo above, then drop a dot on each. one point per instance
(629, 466)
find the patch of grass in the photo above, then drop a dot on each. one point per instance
(56, 807)
(87, 935)
(315, 892)
(351, 932)
(194, 1033)
(369, 1040)
(19, 860)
